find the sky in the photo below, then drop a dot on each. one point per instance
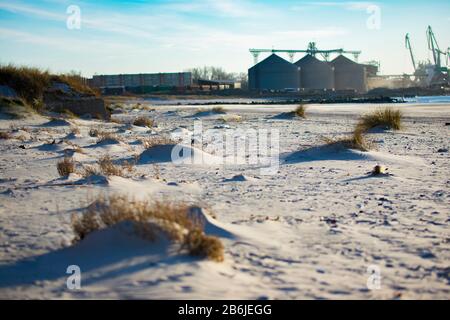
(137, 36)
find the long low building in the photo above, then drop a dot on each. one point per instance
(309, 73)
(179, 80)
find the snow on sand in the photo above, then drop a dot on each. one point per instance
(309, 231)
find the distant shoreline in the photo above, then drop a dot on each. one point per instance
(248, 101)
(242, 98)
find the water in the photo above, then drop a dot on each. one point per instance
(429, 100)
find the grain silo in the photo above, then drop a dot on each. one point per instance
(349, 75)
(274, 73)
(315, 74)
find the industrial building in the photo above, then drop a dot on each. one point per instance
(274, 73)
(205, 84)
(315, 74)
(309, 73)
(141, 83)
(349, 75)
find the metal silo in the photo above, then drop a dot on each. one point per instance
(274, 73)
(315, 74)
(349, 75)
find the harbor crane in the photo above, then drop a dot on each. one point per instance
(409, 47)
(436, 51)
(430, 73)
(312, 50)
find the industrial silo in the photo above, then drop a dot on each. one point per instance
(349, 75)
(274, 73)
(315, 74)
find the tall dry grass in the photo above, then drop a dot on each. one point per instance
(386, 117)
(151, 220)
(355, 141)
(105, 137)
(153, 141)
(76, 82)
(218, 109)
(300, 111)
(108, 168)
(31, 83)
(144, 121)
(66, 167)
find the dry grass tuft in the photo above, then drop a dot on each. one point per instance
(107, 137)
(108, 168)
(154, 141)
(199, 244)
(150, 220)
(66, 167)
(300, 111)
(89, 171)
(356, 141)
(218, 110)
(144, 121)
(386, 117)
(129, 165)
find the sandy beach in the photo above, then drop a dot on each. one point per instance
(315, 228)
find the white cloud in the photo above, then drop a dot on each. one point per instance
(63, 43)
(312, 33)
(221, 8)
(347, 5)
(29, 10)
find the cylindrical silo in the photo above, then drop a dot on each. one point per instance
(315, 74)
(274, 73)
(349, 75)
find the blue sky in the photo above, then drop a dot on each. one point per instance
(135, 36)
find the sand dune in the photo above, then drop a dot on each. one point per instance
(308, 231)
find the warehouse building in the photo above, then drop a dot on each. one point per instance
(274, 73)
(315, 74)
(142, 83)
(349, 75)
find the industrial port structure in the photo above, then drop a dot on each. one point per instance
(343, 74)
(309, 73)
(315, 72)
(430, 73)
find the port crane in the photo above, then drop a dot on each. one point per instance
(312, 50)
(409, 47)
(436, 51)
(430, 73)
